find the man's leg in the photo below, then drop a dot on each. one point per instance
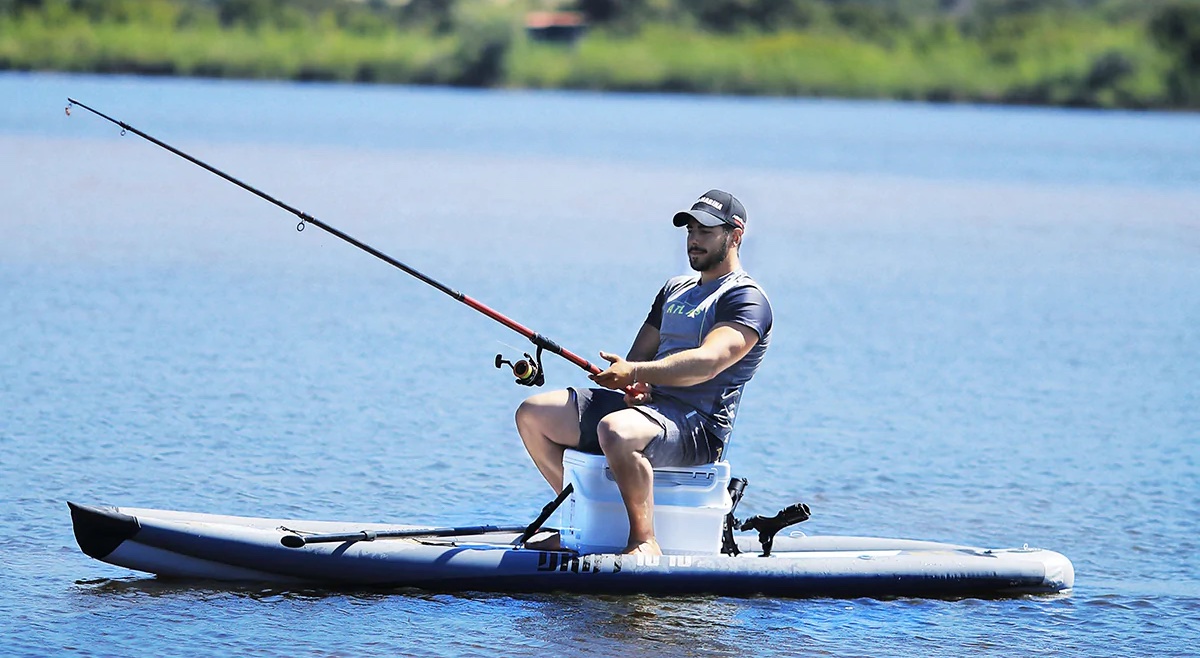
(623, 436)
(549, 424)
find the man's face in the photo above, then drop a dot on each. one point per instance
(707, 246)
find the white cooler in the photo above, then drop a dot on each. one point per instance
(690, 504)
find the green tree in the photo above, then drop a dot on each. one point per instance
(257, 14)
(1176, 29)
(726, 16)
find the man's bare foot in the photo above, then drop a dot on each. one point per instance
(649, 547)
(551, 542)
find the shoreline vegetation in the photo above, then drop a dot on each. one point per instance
(1135, 54)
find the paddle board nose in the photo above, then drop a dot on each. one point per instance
(100, 530)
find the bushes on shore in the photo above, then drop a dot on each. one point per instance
(1099, 53)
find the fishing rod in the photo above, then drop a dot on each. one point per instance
(528, 371)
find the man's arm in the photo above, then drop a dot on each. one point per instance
(724, 346)
(645, 345)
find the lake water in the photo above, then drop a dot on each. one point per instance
(987, 332)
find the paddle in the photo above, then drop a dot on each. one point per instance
(298, 541)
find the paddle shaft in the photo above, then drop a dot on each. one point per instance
(305, 218)
(296, 540)
(532, 528)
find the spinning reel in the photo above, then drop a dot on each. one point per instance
(528, 371)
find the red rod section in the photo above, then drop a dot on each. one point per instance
(537, 339)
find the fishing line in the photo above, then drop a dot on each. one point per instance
(528, 371)
(542, 342)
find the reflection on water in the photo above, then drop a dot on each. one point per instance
(612, 625)
(134, 587)
(636, 624)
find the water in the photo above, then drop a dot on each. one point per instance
(988, 329)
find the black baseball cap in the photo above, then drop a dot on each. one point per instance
(713, 209)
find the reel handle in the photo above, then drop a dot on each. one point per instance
(528, 371)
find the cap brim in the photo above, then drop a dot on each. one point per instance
(707, 219)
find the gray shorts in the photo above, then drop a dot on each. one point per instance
(683, 440)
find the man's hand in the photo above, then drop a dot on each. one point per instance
(638, 393)
(618, 376)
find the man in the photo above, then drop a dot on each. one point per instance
(681, 381)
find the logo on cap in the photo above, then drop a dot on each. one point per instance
(712, 208)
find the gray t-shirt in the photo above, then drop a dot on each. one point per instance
(684, 312)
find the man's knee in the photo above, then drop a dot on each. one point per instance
(551, 416)
(527, 413)
(537, 409)
(624, 432)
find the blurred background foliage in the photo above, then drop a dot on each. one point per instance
(1092, 53)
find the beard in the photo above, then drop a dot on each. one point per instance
(702, 262)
